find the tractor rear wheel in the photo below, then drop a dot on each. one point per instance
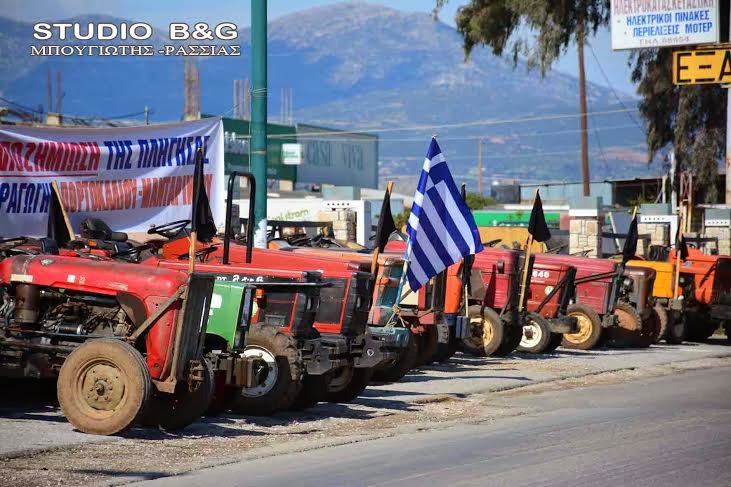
(173, 412)
(428, 345)
(511, 339)
(486, 333)
(666, 322)
(628, 333)
(590, 328)
(676, 329)
(314, 390)
(283, 378)
(698, 325)
(394, 370)
(348, 383)
(104, 386)
(536, 334)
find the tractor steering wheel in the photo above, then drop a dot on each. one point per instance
(168, 230)
(136, 251)
(200, 254)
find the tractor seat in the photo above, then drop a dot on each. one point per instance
(97, 229)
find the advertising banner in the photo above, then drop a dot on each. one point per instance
(130, 177)
(661, 23)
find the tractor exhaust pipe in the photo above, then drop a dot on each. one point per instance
(249, 225)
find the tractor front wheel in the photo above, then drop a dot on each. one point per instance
(629, 331)
(314, 390)
(283, 375)
(104, 386)
(173, 412)
(394, 370)
(589, 328)
(536, 334)
(676, 329)
(486, 332)
(348, 383)
(666, 322)
(428, 346)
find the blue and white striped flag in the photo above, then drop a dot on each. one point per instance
(441, 227)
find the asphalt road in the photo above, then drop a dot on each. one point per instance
(668, 431)
(30, 419)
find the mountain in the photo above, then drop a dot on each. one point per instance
(361, 66)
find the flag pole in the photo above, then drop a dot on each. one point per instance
(526, 265)
(377, 250)
(677, 251)
(67, 221)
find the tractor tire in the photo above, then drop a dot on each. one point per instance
(590, 328)
(665, 318)
(675, 334)
(486, 333)
(174, 412)
(348, 383)
(445, 351)
(650, 330)
(727, 330)
(629, 332)
(554, 343)
(511, 339)
(536, 334)
(314, 390)
(284, 375)
(394, 370)
(428, 345)
(86, 386)
(698, 326)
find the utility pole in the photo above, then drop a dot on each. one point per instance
(49, 92)
(673, 190)
(147, 115)
(582, 103)
(258, 152)
(479, 166)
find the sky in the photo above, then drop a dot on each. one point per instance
(162, 12)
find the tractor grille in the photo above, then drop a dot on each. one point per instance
(358, 304)
(308, 303)
(194, 322)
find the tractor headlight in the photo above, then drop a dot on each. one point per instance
(627, 283)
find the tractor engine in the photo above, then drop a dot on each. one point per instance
(39, 326)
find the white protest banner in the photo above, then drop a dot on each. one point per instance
(130, 177)
(661, 23)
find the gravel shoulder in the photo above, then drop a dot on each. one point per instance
(38, 447)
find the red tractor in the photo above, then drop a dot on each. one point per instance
(125, 342)
(608, 296)
(706, 284)
(337, 339)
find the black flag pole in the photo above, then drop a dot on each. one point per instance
(630, 242)
(678, 252)
(57, 207)
(526, 262)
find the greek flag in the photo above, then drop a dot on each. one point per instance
(441, 228)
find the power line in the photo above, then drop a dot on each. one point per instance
(455, 125)
(611, 87)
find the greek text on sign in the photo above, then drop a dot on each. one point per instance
(702, 66)
(656, 23)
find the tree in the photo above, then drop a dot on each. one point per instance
(539, 30)
(476, 201)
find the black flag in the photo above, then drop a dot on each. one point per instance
(386, 225)
(57, 228)
(630, 242)
(202, 218)
(537, 223)
(680, 245)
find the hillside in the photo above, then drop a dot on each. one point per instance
(366, 67)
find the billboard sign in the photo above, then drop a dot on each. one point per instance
(639, 24)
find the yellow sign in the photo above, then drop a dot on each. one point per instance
(702, 66)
